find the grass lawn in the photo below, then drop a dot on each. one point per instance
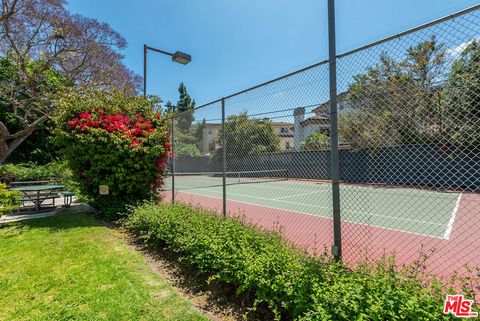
(72, 267)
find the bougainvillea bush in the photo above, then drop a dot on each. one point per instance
(115, 140)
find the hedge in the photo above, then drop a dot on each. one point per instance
(34, 172)
(294, 285)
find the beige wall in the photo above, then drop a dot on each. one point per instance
(209, 138)
(284, 132)
(210, 133)
(286, 143)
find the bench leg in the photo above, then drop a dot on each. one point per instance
(67, 200)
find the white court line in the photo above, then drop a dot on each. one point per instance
(448, 231)
(295, 195)
(324, 207)
(308, 185)
(287, 185)
(325, 217)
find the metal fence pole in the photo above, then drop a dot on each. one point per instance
(224, 161)
(144, 70)
(337, 235)
(173, 155)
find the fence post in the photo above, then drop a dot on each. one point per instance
(224, 161)
(173, 155)
(337, 235)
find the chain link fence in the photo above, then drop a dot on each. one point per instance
(409, 151)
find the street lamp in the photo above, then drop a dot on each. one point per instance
(178, 57)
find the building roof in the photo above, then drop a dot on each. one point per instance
(212, 125)
(281, 123)
(275, 124)
(324, 107)
(317, 119)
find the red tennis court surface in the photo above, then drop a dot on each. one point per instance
(361, 241)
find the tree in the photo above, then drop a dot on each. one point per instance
(187, 150)
(188, 135)
(27, 109)
(396, 102)
(462, 99)
(315, 141)
(40, 37)
(197, 130)
(169, 108)
(185, 144)
(246, 136)
(184, 109)
(81, 48)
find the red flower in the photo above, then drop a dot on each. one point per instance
(135, 142)
(85, 115)
(132, 128)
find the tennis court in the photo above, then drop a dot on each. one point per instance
(422, 212)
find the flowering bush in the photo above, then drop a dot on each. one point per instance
(118, 141)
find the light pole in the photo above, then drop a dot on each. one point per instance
(179, 57)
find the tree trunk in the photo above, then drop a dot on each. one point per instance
(7, 146)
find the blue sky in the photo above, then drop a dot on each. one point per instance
(239, 43)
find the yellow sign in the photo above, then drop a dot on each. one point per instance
(103, 189)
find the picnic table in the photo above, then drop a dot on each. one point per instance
(37, 194)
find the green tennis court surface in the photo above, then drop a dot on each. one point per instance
(416, 211)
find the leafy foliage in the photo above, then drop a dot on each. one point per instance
(115, 140)
(34, 172)
(292, 284)
(25, 104)
(396, 102)
(188, 136)
(315, 141)
(185, 106)
(187, 150)
(43, 47)
(9, 200)
(462, 99)
(83, 49)
(246, 136)
(186, 143)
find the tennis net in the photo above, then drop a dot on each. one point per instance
(212, 179)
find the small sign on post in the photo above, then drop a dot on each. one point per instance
(103, 189)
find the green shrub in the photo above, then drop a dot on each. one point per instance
(115, 140)
(9, 200)
(315, 141)
(34, 172)
(292, 284)
(187, 150)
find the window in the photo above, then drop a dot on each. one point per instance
(287, 145)
(284, 130)
(209, 131)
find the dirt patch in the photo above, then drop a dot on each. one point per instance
(215, 299)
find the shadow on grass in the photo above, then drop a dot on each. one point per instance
(212, 296)
(58, 222)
